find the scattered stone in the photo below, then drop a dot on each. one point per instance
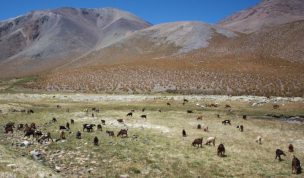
(57, 168)
(13, 166)
(124, 176)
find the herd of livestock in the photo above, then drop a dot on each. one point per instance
(32, 130)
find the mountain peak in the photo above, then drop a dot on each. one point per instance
(268, 13)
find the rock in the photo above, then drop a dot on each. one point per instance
(36, 155)
(57, 168)
(13, 166)
(25, 143)
(124, 176)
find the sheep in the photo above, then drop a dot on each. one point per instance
(259, 140)
(279, 153)
(296, 166)
(290, 148)
(221, 150)
(210, 140)
(198, 142)
(184, 133)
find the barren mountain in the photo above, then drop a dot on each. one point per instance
(42, 40)
(158, 41)
(268, 13)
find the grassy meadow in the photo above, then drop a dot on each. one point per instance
(155, 146)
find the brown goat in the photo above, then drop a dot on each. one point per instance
(296, 166)
(198, 142)
(123, 133)
(221, 150)
(290, 148)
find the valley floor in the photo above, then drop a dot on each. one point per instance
(154, 146)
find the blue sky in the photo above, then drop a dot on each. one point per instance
(154, 11)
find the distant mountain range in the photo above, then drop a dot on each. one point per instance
(109, 50)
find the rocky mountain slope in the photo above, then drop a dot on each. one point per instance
(46, 39)
(108, 50)
(268, 13)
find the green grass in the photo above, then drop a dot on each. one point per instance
(156, 152)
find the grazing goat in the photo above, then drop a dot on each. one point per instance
(99, 127)
(226, 122)
(61, 127)
(123, 133)
(62, 135)
(279, 153)
(210, 140)
(45, 137)
(96, 141)
(199, 118)
(9, 129)
(29, 132)
(88, 127)
(110, 133)
(78, 134)
(296, 166)
(120, 120)
(240, 127)
(130, 114)
(184, 133)
(67, 125)
(290, 148)
(72, 121)
(143, 109)
(199, 126)
(144, 116)
(258, 140)
(103, 122)
(54, 120)
(189, 111)
(244, 116)
(20, 127)
(218, 116)
(221, 150)
(168, 104)
(198, 142)
(206, 129)
(276, 106)
(227, 106)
